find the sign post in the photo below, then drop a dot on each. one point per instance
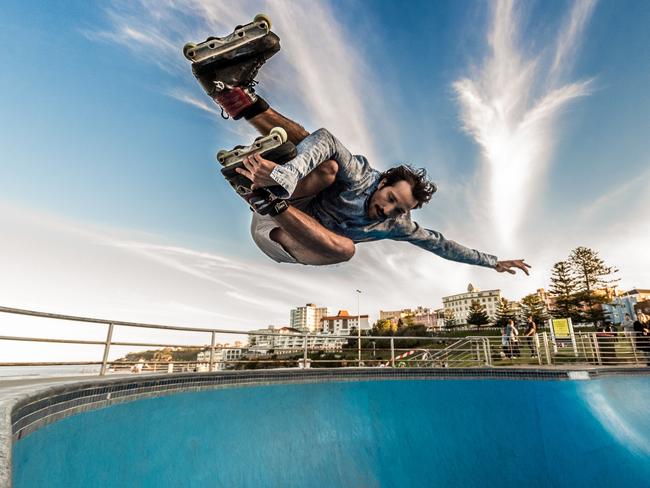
(562, 332)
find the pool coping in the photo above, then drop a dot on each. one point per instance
(29, 405)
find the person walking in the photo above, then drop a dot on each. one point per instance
(529, 334)
(642, 334)
(513, 339)
(505, 342)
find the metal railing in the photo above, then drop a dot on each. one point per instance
(280, 349)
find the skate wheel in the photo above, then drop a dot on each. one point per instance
(189, 50)
(279, 132)
(263, 18)
(221, 155)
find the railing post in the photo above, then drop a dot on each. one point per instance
(596, 348)
(582, 344)
(304, 355)
(212, 343)
(107, 347)
(547, 351)
(488, 352)
(392, 352)
(632, 338)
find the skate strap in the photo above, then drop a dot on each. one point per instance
(234, 101)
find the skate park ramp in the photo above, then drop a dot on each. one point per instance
(441, 432)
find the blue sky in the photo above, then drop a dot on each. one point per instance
(532, 117)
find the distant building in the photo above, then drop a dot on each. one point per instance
(307, 318)
(286, 340)
(459, 304)
(628, 302)
(440, 317)
(420, 315)
(543, 296)
(392, 315)
(222, 358)
(343, 323)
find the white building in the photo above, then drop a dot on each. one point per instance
(307, 318)
(460, 304)
(343, 323)
(222, 357)
(286, 340)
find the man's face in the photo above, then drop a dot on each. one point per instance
(391, 201)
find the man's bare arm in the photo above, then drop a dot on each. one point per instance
(308, 241)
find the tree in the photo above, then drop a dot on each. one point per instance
(384, 327)
(533, 305)
(406, 321)
(564, 288)
(592, 282)
(417, 330)
(449, 318)
(477, 314)
(504, 313)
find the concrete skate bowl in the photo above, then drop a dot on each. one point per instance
(342, 429)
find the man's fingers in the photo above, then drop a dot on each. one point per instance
(247, 164)
(514, 263)
(523, 266)
(245, 173)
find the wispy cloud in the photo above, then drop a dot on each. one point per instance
(510, 105)
(192, 99)
(623, 195)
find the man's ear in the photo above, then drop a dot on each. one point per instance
(382, 184)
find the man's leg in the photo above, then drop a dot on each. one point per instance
(316, 181)
(268, 119)
(308, 241)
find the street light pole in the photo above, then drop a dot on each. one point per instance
(359, 324)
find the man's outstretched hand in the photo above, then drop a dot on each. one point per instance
(513, 263)
(258, 170)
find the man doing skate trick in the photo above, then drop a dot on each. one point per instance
(313, 208)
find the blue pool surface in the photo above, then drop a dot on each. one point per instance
(358, 434)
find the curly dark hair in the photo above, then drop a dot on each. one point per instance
(422, 188)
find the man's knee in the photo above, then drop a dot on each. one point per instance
(328, 170)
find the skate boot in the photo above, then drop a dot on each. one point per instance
(226, 66)
(273, 147)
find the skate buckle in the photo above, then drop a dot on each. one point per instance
(279, 206)
(220, 86)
